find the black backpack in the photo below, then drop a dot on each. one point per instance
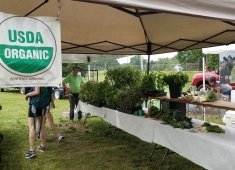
(43, 99)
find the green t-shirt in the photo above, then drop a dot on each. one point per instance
(74, 82)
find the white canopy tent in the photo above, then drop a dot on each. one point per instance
(134, 26)
(219, 49)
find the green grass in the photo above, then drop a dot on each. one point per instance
(84, 147)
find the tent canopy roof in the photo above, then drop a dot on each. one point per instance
(134, 26)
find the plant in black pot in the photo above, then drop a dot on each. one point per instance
(87, 91)
(98, 94)
(176, 81)
(153, 84)
(125, 76)
(129, 99)
(160, 82)
(111, 97)
(148, 86)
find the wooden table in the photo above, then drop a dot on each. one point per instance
(217, 104)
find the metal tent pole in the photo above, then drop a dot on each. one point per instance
(149, 49)
(204, 84)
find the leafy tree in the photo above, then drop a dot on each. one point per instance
(190, 56)
(164, 64)
(212, 61)
(136, 60)
(105, 63)
(67, 67)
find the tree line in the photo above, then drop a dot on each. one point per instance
(182, 58)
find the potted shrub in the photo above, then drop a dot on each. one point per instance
(129, 100)
(121, 82)
(111, 97)
(125, 76)
(99, 94)
(87, 90)
(160, 82)
(148, 85)
(153, 84)
(176, 82)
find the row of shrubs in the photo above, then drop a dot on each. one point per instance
(123, 89)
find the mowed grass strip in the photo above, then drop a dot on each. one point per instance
(84, 147)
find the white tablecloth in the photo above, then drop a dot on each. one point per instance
(110, 116)
(91, 109)
(136, 125)
(210, 150)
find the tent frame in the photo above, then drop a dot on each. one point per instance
(150, 50)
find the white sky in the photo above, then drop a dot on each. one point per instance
(155, 57)
(219, 49)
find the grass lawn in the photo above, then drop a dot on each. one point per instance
(84, 147)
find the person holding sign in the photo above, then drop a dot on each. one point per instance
(75, 81)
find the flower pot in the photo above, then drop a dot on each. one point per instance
(175, 91)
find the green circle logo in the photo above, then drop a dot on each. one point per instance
(27, 46)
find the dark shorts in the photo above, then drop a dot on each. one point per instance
(31, 114)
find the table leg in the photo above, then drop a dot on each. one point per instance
(153, 150)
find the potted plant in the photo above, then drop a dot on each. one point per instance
(125, 76)
(129, 100)
(111, 97)
(160, 82)
(153, 84)
(148, 85)
(121, 82)
(176, 82)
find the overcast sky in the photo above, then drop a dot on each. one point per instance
(153, 57)
(170, 55)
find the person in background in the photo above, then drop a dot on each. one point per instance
(51, 123)
(74, 80)
(49, 117)
(35, 116)
(224, 89)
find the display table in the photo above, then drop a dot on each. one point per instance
(210, 150)
(216, 104)
(136, 125)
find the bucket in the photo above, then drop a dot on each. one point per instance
(233, 96)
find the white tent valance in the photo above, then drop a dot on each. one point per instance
(134, 26)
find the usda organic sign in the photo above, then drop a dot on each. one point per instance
(25, 51)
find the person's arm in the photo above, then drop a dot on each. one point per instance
(52, 102)
(33, 93)
(64, 82)
(217, 88)
(82, 82)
